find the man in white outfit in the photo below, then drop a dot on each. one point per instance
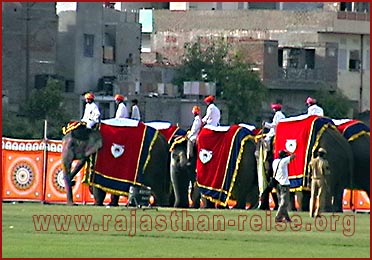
(135, 113)
(213, 114)
(313, 108)
(194, 131)
(280, 168)
(277, 108)
(121, 111)
(91, 113)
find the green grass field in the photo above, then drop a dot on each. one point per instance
(48, 231)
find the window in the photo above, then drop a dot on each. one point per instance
(280, 58)
(310, 59)
(361, 7)
(146, 43)
(354, 60)
(346, 6)
(88, 45)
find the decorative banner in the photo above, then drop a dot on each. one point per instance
(22, 169)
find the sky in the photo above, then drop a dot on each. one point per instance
(65, 6)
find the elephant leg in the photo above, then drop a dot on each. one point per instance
(66, 167)
(68, 188)
(78, 167)
(114, 200)
(303, 200)
(337, 200)
(274, 195)
(99, 196)
(328, 200)
(181, 191)
(209, 204)
(292, 202)
(264, 199)
(195, 196)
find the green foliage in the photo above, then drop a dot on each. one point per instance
(236, 83)
(335, 104)
(243, 92)
(44, 104)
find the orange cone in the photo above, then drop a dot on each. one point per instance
(347, 201)
(361, 201)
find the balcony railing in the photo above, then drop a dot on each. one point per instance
(356, 16)
(301, 74)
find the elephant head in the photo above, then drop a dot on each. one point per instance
(75, 148)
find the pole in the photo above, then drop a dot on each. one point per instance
(45, 157)
(27, 50)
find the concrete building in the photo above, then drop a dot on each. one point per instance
(29, 37)
(298, 48)
(103, 47)
(328, 46)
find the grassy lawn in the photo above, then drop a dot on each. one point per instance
(35, 230)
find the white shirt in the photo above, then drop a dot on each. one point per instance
(213, 115)
(276, 119)
(195, 128)
(315, 110)
(281, 174)
(122, 111)
(278, 116)
(136, 113)
(91, 114)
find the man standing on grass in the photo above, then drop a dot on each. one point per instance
(280, 167)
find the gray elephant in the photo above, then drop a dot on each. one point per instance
(78, 143)
(149, 166)
(339, 155)
(358, 135)
(244, 185)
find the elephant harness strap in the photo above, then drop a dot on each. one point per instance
(78, 130)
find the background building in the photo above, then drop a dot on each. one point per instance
(298, 48)
(29, 37)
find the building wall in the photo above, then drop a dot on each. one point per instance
(41, 22)
(115, 30)
(66, 44)
(351, 82)
(292, 29)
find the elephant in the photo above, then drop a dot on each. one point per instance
(244, 188)
(358, 135)
(79, 144)
(339, 156)
(155, 172)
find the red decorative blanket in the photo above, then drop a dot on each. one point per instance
(123, 158)
(351, 129)
(299, 137)
(219, 155)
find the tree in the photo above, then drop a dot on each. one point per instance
(44, 104)
(236, 83)
(335, 105)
